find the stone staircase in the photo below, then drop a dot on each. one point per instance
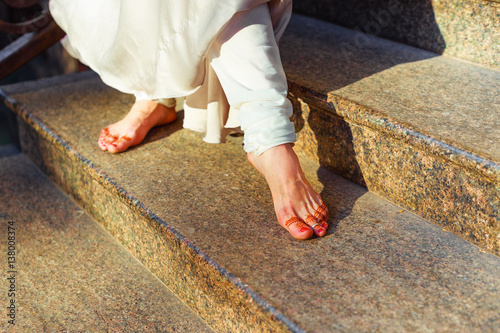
(70, 274)
(404, 156)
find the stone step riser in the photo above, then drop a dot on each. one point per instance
(461, 28)
(404, 171)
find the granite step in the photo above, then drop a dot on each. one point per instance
(416, 128)
(466, 29)
(67, 273)
(201, 219)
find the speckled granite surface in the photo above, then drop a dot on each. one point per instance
(467, 29)
(201, 219)
(72, 276)
(417, 129)
(8, 150)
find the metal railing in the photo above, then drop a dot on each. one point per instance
(31, 36)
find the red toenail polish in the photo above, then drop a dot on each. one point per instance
(325, 225)
(304, 229)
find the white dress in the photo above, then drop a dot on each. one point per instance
(157, 49)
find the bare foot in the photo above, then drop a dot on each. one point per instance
(132, 129)
(298, 207)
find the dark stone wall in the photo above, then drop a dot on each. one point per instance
(461, 28)
(405, 21)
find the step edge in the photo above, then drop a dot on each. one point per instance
(110, 184)
(48, 82)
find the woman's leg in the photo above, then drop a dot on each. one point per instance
(247, 62)
(131, 130)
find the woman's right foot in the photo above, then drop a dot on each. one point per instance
(132, 129)
(298, 207)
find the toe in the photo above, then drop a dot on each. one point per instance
(119, 145)
(113, 148)
(106, 137)
(102, 140)
(318, 226)
(102, 144)
(297, 228)
(321, 212)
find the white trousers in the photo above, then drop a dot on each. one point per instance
(245, 59)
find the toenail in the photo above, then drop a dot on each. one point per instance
(325, 225)
(304, 229)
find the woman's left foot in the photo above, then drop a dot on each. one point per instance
(132, 129)
(298, 207)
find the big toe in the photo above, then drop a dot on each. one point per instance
(297, 228)
(122, 144)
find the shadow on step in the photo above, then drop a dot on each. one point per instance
(328, 140)
(334, 152)
(409, 22)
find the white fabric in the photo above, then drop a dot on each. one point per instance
(246, 59)
(160, 49)
(168, 102)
